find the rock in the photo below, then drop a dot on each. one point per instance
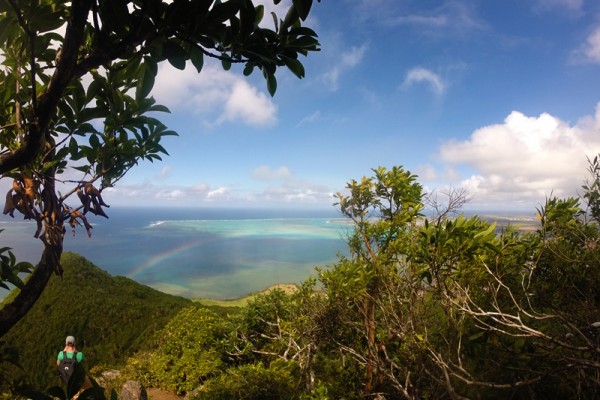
(107, 377)
(192, 394)
(133, 390)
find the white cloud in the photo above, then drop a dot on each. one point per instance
(525, 159)
(164, 173)
(221, 193)
(591, 49)
(169, 194)
(452, 17)
(354, 56)
(315, 116)
(150, 194)
(345, 61)
(217, 96)
(418, 75)
(572, 5)
(270, 186)
(266, 173)
(427, 172)
(246, 103)
(296, 192)
(420, 20)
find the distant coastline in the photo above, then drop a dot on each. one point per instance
(243, 300)
(215, 255)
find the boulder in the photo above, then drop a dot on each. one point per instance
(192, 394)
(133, 390)
(106, 378)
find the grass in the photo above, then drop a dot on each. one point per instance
(243, 301)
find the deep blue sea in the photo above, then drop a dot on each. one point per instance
(215, 253)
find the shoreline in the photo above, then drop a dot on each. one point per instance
(241, 301)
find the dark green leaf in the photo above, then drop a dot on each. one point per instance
(94, 141)
(24, 266)
(226, 63)
(222, 12)
(290, 18)
(33, 395)
(145, 83)
(175, 54)
(247, 20)
(197, 58)
(85, 169)
(271, 84)
(302, 30)
(303, 7)
(159, 108)
(5, 249)
(304, 42)
(73, 147)
(93, 393)
(44, 20)
(295, 66)
(115, 15)
(249, 68)
(56, 391)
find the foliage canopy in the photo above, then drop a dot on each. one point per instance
(423, 307)
(62, 141)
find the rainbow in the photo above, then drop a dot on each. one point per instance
(159, 258)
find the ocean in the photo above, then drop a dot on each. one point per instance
(199, 253)
(207, 252)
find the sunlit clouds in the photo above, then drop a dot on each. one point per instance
(247, 104)
(514, 163)
(423, 75)
(486, 96)
(347, 60)
(164, 173)
(573, 5)
(152, 194)
(591, 49)
(451, 17)
(214, 96)
(524, 158)
(266, 173)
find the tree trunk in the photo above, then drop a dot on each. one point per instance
(13, 312)
(53, 236)
(371, 352)
(37, 138)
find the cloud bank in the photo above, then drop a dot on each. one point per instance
(522, 160)
(277, 187)
(215, 96)
(512, 165)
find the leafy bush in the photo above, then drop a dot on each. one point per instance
(188, 352)
(111, 317)
(254, 382)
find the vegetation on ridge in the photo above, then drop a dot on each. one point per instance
(444, 308)
(76, 112)
(111, 317)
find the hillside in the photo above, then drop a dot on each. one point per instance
(111, 317)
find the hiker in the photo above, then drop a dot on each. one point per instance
(70, 353)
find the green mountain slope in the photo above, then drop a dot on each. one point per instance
(111, 317)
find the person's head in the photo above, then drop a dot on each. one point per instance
(70, 341)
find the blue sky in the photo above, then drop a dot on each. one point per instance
(498, 97)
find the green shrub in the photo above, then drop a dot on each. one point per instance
(187, 352)
(254, 382)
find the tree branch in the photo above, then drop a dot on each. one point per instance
(12, 312)
(47, 103)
